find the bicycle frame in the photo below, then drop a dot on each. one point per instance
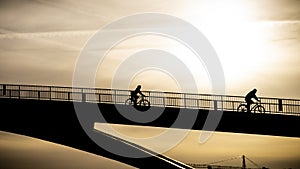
(254, 105)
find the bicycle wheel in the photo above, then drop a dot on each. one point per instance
(129, 102)
(242, 108)
(144, 103)
(259, 109)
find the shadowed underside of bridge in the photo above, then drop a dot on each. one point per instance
(57, 121)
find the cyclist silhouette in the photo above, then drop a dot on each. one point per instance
(134, 94)
(251, 95)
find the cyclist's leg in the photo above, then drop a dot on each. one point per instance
(135, 100)
(249, 102)
(248, 107)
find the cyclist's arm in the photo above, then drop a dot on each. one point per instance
(256, 98)
(141, 94)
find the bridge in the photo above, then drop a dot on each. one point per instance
(281, 117)
(47, 112)
(160, 99)
(274, 106)
(214, 165)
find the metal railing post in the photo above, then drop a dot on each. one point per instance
(215, 104)
(83, 96)
(4, 90)
(222, 101)
(19, 92)
(115, 97)
(99, 98)
(50, 95)
(280, 108)
(184, 97)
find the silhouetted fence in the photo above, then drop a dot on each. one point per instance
(161, 99)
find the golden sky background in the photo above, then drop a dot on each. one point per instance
(257, 42)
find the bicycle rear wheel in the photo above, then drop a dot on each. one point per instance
(259, 109)
(129, 102)
(242, 108)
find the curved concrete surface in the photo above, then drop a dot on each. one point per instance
(19, 152)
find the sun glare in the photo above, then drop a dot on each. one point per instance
(239, 42)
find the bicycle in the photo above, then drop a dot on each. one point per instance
(257, 108)
(142, 102)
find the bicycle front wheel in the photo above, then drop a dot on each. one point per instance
(242, 108)
(144, 103)
(259, 109)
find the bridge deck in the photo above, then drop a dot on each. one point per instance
(24, 111)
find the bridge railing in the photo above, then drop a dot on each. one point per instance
(156, 98)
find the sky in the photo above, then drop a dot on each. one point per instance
(256, 41)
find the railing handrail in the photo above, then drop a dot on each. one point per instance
(159, 98)
(148, 91)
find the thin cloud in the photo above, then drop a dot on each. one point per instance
(70, 6)
(49, 35)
